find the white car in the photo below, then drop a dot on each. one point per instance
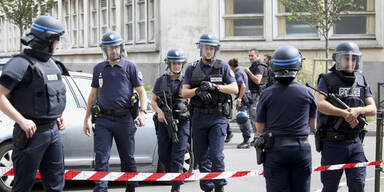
(78, 148)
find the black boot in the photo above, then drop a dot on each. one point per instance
(244, 144)
(228, 138)
(219, 189)
(175, 188)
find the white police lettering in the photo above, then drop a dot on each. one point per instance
(52, 77)
(343, 91)
(140, 75)
(100, 80)
(216, 79)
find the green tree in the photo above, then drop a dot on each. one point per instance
(22, 12)
(323, 14)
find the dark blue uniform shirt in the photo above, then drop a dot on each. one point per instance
(116, 83)
(228, 75)
(174, 84)
(286, 109)
(241, 78)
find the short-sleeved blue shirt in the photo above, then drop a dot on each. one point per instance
(228, 75)
(116, 83)
(241, 78)
(173, 84)
(286, 109)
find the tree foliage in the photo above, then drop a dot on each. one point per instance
(322, 14)
(22, 12)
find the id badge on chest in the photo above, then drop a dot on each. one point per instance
(100, 80)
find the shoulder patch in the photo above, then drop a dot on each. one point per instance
(140, 75)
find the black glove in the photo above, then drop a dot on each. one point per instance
(204, 95)
(208, 86)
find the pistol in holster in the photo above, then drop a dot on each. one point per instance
(319, 140)
(95, 112)
(263, 143)
(134, 105)
(21, 139)
(362, 134)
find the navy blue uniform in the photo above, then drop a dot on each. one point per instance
(40, 98)
(171, 154)
(257, 68)
(350, 149)
(115, 85)
(209, 127)
(286, 110)
(242, 78)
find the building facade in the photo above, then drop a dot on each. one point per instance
(151, 27)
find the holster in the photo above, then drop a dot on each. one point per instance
(21, 139)
(260, 150)
(95, 112)
(319, 140)
(362, 134)
(135, 105)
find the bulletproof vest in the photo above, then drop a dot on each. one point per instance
(253, 86)
(271, 78)
(341, 86)
(216, 76)
(44, 96)
(175, 101)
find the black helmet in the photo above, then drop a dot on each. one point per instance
(44, 31)
(210, 40)
(344, 54)
(242, 117)
(175, 55)
(112, 39)
(286, 62)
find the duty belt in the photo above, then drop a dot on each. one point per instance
(334, 136)
(291, 140)
(115, 112)
(45, 127)
(208, 110)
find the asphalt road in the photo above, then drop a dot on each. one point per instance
(236, 160)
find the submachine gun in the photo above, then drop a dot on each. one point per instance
(334, 100)
(171, 122)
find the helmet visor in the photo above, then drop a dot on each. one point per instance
(347, 62)
(65, 42)
(112, 53)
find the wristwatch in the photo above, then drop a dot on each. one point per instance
(143, 110)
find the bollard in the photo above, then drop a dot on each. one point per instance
(379, 148)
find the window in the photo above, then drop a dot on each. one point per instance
(360, 20)
(292, 28)
(102, 18)
(243, 18)
(13, 37)
(2, 31)
(74, 21)
(139, 18)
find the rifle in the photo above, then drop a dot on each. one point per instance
(334, 100)
(171, 122)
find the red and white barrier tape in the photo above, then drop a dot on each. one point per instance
(121, 176)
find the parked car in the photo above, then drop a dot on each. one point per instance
(78, 148)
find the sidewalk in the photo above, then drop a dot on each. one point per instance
(371, 127)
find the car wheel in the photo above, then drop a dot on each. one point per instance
(6, 182)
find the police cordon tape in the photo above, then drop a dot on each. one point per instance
(121, 176)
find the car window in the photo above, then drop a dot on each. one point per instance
(71, 103)
(84, 85)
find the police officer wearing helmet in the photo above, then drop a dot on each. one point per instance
(32, 93)
(285, 114)
(341, 142)
(243, 102)
(209, 83)
(169, 86)
(112, 89)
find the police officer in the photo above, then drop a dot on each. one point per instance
(341, 141)
(243, 102)
(271, 76)
(285, 112)
(112, 89)
(208, 82)
(169, 86)
(32, 93)
(258, 78)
